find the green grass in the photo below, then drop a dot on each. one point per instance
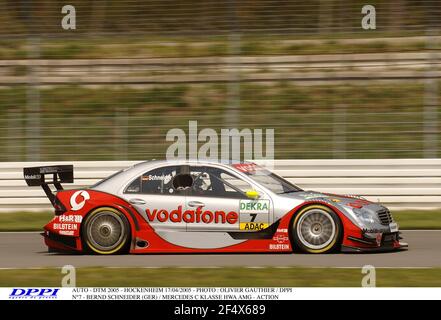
(24, 221)
(419, 219)
(220, 277)
(34, 221)
(185, 46)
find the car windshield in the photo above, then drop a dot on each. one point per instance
(267, 178)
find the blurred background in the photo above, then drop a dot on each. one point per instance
(132, 70)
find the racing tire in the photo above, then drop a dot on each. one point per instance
(316, 229)
(106, 231)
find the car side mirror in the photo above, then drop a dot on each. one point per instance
(252, 194)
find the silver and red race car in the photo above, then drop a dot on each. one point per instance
(197, 206)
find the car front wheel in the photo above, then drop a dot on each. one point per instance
(316, 229)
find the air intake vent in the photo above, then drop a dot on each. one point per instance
(385, 217)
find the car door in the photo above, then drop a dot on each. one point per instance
(155, 198)
(219, 199)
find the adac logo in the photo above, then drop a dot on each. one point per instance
(34, 293)
(78, 200)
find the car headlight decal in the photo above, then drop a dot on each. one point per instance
(365, 216)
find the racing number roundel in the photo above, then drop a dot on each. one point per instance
(74, 200)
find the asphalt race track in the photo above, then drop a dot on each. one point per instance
(27, 250)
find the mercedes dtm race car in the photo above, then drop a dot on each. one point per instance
(197, 207)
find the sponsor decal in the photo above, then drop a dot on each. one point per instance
(78, 200)
(282, 241)
(280, 238)
(66, 233)
(70, 218)
(279, 246)
(335, 200)
(282, 230)
(254, 206)
(253, 226)
(372, 230)
(32, 176)
(65, 226)
(258, 215)
(378, 238)
(192, 216)
(152, 177)
(246, 167)
(359, 203)
(47, 170)
(34, 293)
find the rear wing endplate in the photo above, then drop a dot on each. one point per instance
(43, 176)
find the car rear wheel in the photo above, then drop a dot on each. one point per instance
(316, 229)
(106, 231)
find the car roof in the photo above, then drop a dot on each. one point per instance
(114, 182)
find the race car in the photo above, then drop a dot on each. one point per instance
(186, 206)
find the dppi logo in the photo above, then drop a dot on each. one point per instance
(74, 201)
(34, 293)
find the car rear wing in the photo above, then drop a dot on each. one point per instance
(43, 176)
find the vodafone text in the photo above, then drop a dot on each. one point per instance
(192, 216)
